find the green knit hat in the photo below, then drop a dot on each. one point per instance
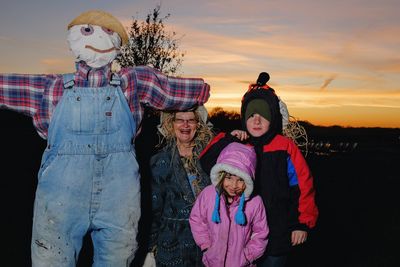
(258, 106)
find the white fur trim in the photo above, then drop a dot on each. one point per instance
(232, 170)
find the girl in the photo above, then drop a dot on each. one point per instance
(228, 224)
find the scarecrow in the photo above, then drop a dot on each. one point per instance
(88, 180)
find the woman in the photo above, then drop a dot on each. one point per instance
(177, 179)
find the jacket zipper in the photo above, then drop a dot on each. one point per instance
(229, 230)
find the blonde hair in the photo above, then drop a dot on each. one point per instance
(201, 138)
(219, 186)
(203, 132)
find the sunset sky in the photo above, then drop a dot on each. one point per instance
(332, 62)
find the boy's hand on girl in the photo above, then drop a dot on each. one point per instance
(299, 237)
(239, 134)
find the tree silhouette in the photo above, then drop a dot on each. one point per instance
(223, 120)
(151, 45)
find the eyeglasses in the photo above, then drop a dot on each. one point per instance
(182, 121)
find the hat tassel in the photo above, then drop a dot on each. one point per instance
(215, 216)
(240, 218)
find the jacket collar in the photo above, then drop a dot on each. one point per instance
(83, 71)
(181, 175)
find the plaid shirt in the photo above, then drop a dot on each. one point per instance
(37, 95)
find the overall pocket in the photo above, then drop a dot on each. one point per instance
(81, 115)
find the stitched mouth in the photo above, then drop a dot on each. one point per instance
(99, 50)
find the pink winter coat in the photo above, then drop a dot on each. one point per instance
(227, 243)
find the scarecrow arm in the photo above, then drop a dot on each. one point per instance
(22, 92)
(163, 92)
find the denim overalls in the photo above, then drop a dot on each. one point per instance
(88, 180)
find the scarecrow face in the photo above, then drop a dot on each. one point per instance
(95, 45)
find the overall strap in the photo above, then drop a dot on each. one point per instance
(68, 80)
(115, 80)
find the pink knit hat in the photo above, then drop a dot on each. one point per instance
(237, 159)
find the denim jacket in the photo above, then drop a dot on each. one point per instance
(172, 201)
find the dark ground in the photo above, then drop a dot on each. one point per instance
(359, 223)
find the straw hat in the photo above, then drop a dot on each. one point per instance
(103, 19)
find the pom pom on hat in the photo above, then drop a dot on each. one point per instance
(240, 217)
(103, 19)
